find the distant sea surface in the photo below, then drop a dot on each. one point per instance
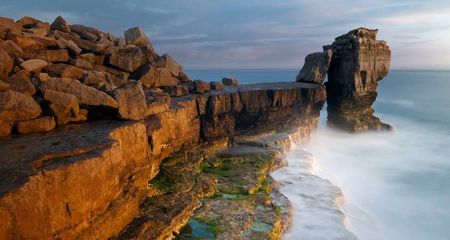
(396, 184)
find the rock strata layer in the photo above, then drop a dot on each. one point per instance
(359, 62)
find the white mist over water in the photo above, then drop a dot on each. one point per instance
(397, 184)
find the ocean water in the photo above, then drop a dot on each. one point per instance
(376, 185)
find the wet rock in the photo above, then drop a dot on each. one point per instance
(34, 65)
(201, 86)
(15, 106)
(228, 81)
(21, 82)
(131, 100)
(60, 24)
(86, 95)
(62, 105)
(6, 64)
(127, 59)
(64, 71)
(216, 86)
(315, 68)
(43, 124)
(359, 62)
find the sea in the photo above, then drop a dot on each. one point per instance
(373, 185)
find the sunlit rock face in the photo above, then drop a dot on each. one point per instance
(359, 61)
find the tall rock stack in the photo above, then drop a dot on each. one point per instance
(355, 62)
(359, 61)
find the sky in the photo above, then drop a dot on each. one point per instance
(221, 34)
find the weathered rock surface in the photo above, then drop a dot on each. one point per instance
(83, 182)
(6, 64)
(315, 68)
(359, 62)
(34, 65)
(43, 124)
(21, 82)
(15, 106)
(63, 106)
(86, 95)
(201, 86)
(131, 101)
(230, 81)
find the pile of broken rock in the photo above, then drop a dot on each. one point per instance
(53, 74)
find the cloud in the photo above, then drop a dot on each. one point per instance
(259, 33)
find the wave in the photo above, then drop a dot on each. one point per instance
(316, 200)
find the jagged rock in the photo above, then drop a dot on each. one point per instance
(216, 86)
(176, 91)
(166, 61)
(63, 106)
(201, 86)
(64, 71)
(315, 67)
(3, 86)
(151, 76)
(8, 23)
(43, 124)
(11, 48)
(85, 32)
(5, 128)
(21, 82)
(183, 77)
(96, 47)
(45, 41)
(52, 56)
(6, 64)
(86, 95)
(71, 46)
(157, 101)
(230, 81)
(60, 24)
(127, 59)
(34, 65)
(359, 62)
(131, 100)
(81, 63)
(136, 36)
(93, 77)
(24, 42)
(15, 106)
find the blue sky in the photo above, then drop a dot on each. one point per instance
(260, 33)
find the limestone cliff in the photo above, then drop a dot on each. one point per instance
(359, 62)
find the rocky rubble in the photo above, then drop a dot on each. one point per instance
(62, 67)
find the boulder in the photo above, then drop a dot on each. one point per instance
(201, 86)
(60, 55)
(81, 117)
(315, 67)
(60, 24)
(229, 81)
(183, 77)
(15, 106)
(64, 71)
(21, 82)
(86, 95)
(136, 36)
(127, 59)
(64, 106)
(71, 46)
(34, 65)
(11, 48)
(3, 86)
(81, 63)
(8, 23)
(6, 64)
(5, 128)
(216, 86)
(151, 76)
(47, 42)
(131, 100)
(166, 61)
(43, 124)
(30, 22)
(176, 91)
(157, 101)
(85, 32)
(93, 77)
(25, 42)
